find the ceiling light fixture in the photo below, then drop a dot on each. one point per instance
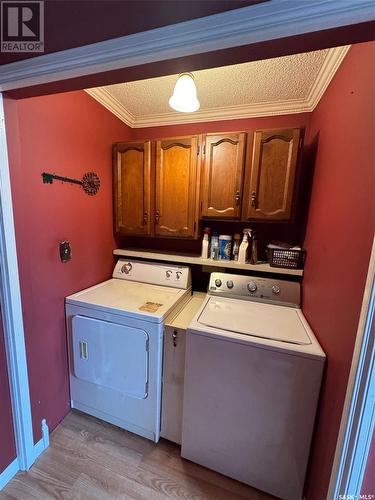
(184, 98)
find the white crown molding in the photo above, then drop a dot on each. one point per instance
(329, 67)
(224, 113)
(293, 106)
(112, 104)
(265, 21)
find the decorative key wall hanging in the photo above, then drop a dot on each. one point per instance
(90, 182)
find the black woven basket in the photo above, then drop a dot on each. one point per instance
(287, 258)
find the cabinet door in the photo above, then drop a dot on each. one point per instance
(222, 175)
(176, 187)
(270, 175)
(132, 193)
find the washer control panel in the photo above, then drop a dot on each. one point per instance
(153, 273)
(258, 289)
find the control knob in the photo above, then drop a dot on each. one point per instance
(126, 268)
(218, 282)
(230, 284)
(275, 289)
(252, 286)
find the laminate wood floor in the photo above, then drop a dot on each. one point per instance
(91, 460)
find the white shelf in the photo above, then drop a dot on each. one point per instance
(191, 259)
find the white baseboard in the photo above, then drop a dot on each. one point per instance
(43, 443)
(14, 467)
(9, 473)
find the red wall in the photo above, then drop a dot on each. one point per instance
(339, 238)
(7, 444)
(68, 134)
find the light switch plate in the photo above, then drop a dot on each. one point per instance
(65, 251)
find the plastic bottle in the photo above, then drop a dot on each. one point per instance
(215, 246)
(205, 246)
(236, 246)
(243, 251)
(225, 246)
(254, 249)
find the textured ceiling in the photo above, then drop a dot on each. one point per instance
(290, 84)
(282, 78)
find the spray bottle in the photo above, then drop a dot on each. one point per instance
(244, 247)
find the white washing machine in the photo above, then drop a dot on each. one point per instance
(253, 372)
(115, 337)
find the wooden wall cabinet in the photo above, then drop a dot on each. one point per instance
(270, 174)
(132, 178)
(156, 187)
(157, 184)
(176, 187)
(222, 176)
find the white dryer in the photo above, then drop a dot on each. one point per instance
(253, 372)
(115, 338)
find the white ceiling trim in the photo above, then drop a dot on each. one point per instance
(113, 105)
(227, 113)
(266, 21)
(331, 64)
(286, 107)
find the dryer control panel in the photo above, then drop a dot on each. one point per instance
(258, 289)
(153, 273)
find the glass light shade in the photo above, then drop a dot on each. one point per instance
(184, 98)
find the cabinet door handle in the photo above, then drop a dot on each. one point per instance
(145, 218)
(157, 217)
(237, 197)
(253, 199)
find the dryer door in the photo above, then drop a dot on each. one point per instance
(111, 355)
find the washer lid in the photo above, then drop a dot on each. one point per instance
(256, 319)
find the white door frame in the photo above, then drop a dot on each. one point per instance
(357, 422)
(12, 311)
(13, 324)
(266, 21)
